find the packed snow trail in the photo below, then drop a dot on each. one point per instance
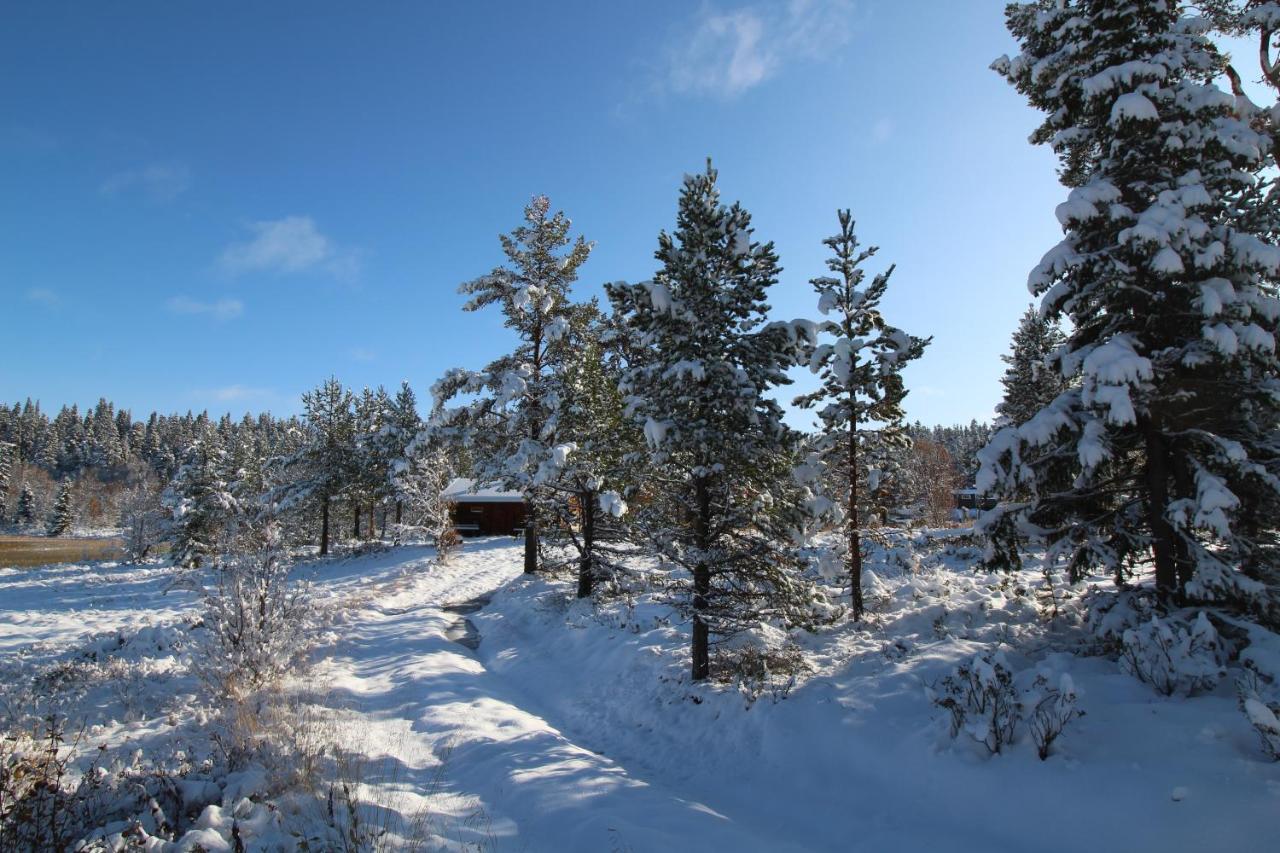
(418, 696)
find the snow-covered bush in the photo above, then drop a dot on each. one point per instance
(257, 620)
(110, 803)
(982, 701)
(757, 669)
(1263, 716)
(1172, 656)
(1053, 710)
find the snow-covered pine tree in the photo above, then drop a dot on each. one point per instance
(403, 423)
(719, 453)
(512, 424)
(61, 517)
(321, 467)
(200, 501)
(586, 495)
(26, 509)
(1164, 445)
(1030, 382)
(860, 398)
(6, 470)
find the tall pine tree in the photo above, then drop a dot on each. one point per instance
(719, 453)
(1031, 381)
(512, 424)
(860, 399)
(61, 517)
(1164, 446)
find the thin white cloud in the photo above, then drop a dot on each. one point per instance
(43, 296)
(362, 354)
(221, 309)
(232, 393)
(159, 182)
(723, 53)
(289, 245)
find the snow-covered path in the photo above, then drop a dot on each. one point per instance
(418, 696)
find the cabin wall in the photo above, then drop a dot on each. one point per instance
(488, 518)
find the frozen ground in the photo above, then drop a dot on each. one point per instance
(568, 729)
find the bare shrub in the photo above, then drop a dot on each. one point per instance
(1052, 712)
(757, 671)
(982, 701)
(257, 621)
(1172, 656)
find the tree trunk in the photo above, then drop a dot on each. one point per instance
(855, 540)
(384, 522)
(1156, 470)
(530, 541)
(324, 527)
(586, 569)
(355, 521)
(399, 510)
(372, 529)
(701, 649)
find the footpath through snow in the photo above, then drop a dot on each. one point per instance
(574, 729)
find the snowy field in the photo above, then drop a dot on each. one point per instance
(573, 729)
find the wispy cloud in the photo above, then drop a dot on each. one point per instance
(362, 354)
(231, 393)
(289, 245)
(158, 182)
(724, 52)
(43, 296)
(221, 309)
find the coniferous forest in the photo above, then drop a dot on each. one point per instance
(741, 599)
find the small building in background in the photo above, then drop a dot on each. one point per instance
(484, 510)
(970, 499)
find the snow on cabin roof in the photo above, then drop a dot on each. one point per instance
(465, 490)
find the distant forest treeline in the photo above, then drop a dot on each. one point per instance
(105, 451)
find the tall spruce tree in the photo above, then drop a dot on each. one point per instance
(26, 509)
(1030, 381)
(320, 469)
(1165, 444)
(718, 451)
(61, 517)
(200, 500)
(512, 424)
(860, 399)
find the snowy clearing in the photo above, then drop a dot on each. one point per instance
(571, 729)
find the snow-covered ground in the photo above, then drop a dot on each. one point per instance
(572, 729)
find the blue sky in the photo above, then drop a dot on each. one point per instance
(218, 205)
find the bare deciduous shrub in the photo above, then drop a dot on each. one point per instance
(982, 701)
(1172, 656)
(758, 671)
(257, 620)
(1052, 712)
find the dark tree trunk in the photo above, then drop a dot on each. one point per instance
(530, 541)
(399, 510)
(324, 527)
(701, 649)
(855, 540)
(355, 521)
(373, 526)
(586, 567)
(1162, 535)
(384, 522)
